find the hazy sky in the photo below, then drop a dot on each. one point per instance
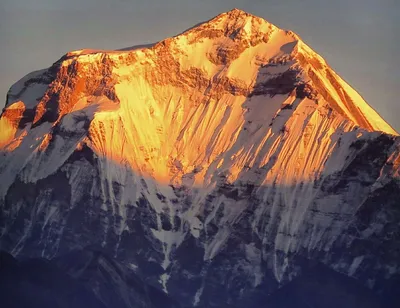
(360, 39)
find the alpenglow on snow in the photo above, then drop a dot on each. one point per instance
(214, 163)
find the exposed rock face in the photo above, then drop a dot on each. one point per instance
(321, 287)
(37, 283)
(86, 278)
(210, 163)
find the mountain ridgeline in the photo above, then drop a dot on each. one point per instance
(228, 166)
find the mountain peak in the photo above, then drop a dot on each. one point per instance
(236, 12)
(232, 141)
(235, 21)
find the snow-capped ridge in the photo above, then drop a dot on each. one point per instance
(341, 97)
(247, 33)
(229, 62)
(233, 142)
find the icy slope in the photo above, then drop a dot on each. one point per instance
(223, 154)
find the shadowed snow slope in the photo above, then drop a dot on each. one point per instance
(208, 163)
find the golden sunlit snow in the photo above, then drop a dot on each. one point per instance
(220, 98)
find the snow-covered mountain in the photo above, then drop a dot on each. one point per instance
(216, 164)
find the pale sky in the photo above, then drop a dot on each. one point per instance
(359, 38)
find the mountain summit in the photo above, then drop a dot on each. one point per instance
(216, 164)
